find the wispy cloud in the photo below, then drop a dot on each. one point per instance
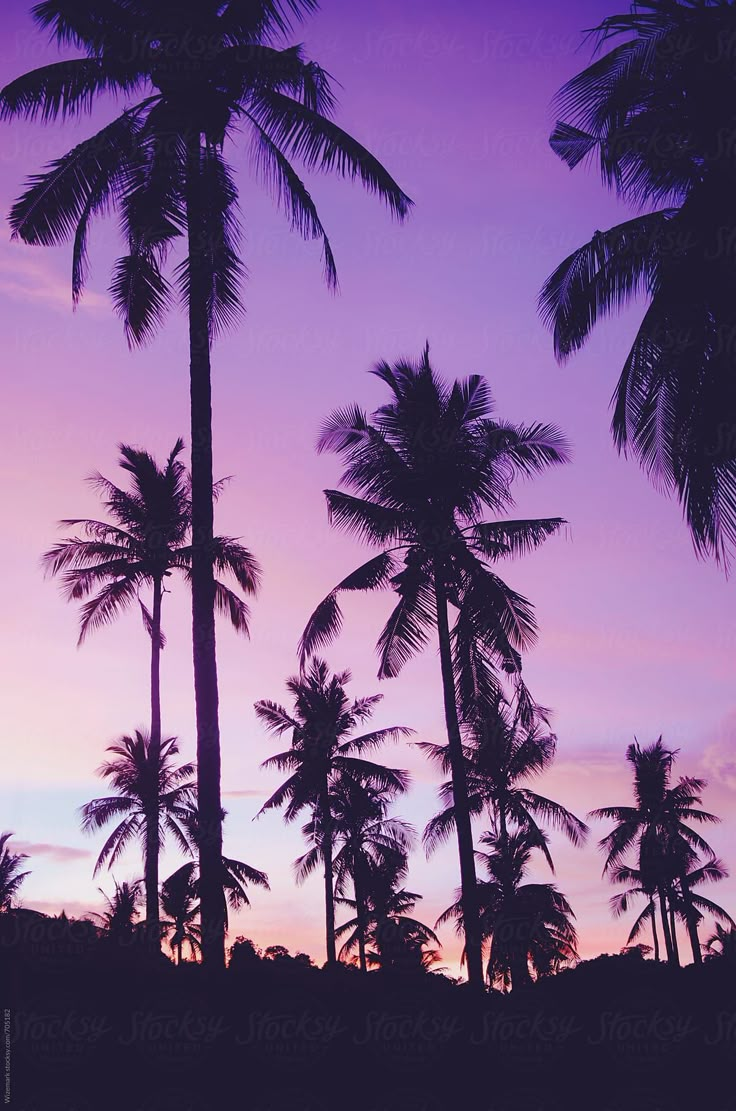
(246, 793)
(25, 275)
(59, 853)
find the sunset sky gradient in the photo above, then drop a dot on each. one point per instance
(636, 636)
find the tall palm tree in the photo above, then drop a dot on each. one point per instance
(145, 539)
(324, 752)
(365, 840)
(656, 829)
(150, 790)
(421, 473)
(11, 876)
(192, 74)
(528, 924)
(503, 750)
(657, 115)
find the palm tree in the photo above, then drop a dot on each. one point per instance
(365, 840)
(722, 943)
(324, 752)
(528, 924)
(182, 889)
(620, 903)
(425, 467)
(179, 904)
(11, 876)
(146, 538)
(660, 131)
(398, 939)
(161, 165)
(118, 922)
(656, 828)
(691, 905)
(504, 746)
(149, 789)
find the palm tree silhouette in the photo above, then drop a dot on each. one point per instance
(150, 791)
(11, 876)
(323, 752)
(364, 840)
(399, 941)
(528, 924)
(146, 538)
(183, 886)
(160, 164)
(722, 943)
(656, 828)
(118, 922)
(425, 466)
(181, 908)
(639, 885)
(504, 746)
(656, 116)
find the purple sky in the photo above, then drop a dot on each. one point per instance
(637, 637)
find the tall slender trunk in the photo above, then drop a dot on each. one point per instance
(179, 951)
(362, 917)
(655, 935)
(468, 886)
(203, 588)
(329, 879)
(673, 931)
(154, 753)
(692, 925)
(665, 927)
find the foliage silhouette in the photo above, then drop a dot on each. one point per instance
(323, 754)
(654, 108)
(160, 165)
(421, 472)
(11, 876)
(147, 537)
(656, 829)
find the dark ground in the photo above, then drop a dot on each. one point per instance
(93, 1029)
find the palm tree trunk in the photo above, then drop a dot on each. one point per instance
(152, 817)
(673, 931)
(468, 885)
(329, 879)
(360, 913)
(203, 588)
(179, 951)
(692, 925)
(666, 927)
(655, 935)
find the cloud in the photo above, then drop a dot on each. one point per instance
(59, 853)
(32, 279)
(246, 793)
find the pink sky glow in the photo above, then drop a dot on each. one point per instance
(636, 636)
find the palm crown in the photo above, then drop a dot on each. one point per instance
(145, 539)
(11, 876)
(143, 784)
(422, 472)
(657, 116)
(208, 68)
